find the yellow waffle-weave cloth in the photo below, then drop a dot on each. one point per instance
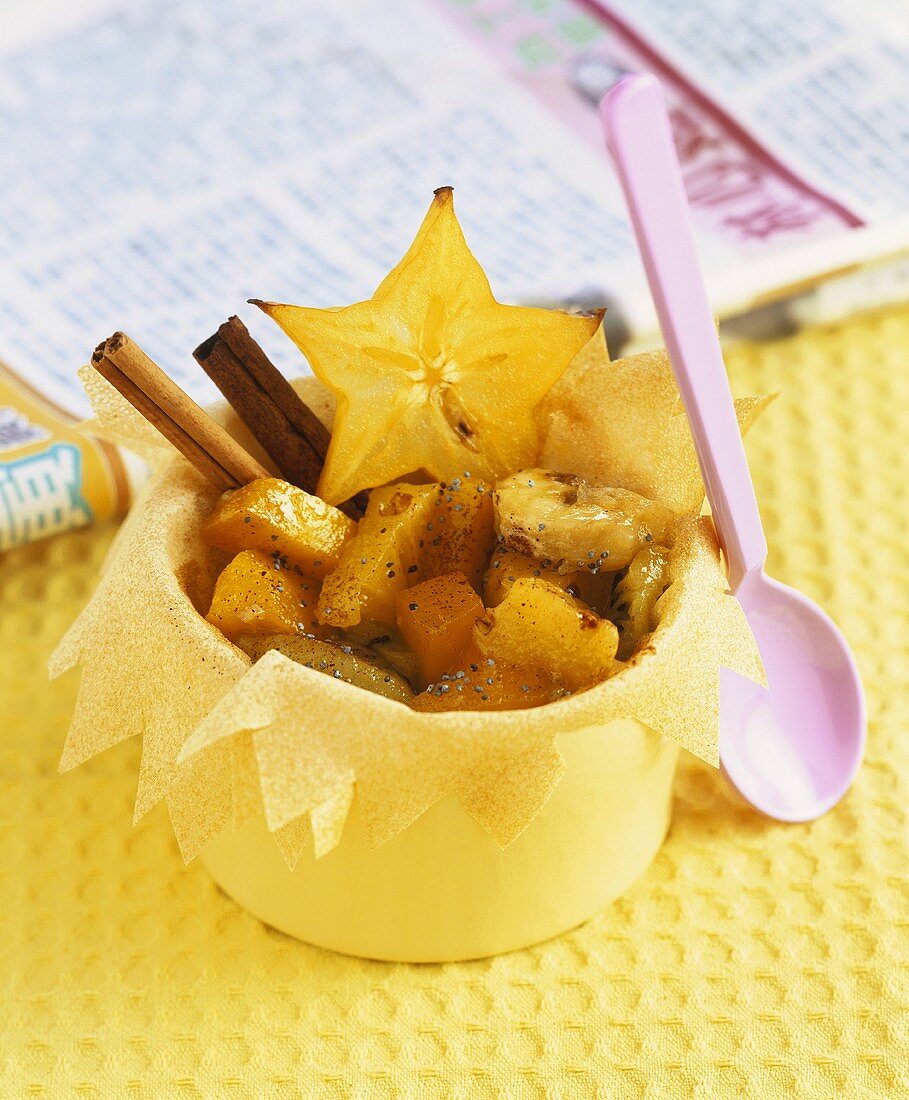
(754, 959)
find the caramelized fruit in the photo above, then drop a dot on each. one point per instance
(478, 682)
(272, 515)
(436, 619)
(507, 566)
(257, 593)
(635, 597)
(538, 625)
(381, 560)
(461, 533)
(571, 524)
(352, 664)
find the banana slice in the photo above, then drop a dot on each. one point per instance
(634, 599)
(570, 524)
(353, 664)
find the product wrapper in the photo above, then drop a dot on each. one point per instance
(55, 474)
(224, 740)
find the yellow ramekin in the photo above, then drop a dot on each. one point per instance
(443, 889)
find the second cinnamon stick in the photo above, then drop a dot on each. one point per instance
(288, 430)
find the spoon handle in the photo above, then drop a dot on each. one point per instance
(638, 134)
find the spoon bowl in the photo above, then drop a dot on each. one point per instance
(792, 750)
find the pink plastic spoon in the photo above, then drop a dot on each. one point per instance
(791, 751)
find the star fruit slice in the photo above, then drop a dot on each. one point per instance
(432, 374)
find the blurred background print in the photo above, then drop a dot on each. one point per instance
(195, 152)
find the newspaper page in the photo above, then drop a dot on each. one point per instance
(165, 160)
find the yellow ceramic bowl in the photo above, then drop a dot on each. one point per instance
(443, 889)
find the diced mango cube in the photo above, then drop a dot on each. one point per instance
(381, 560)
(257, 594)
(436, 619)
(461, 532)
(478, 682)
(272, 515)
(539, 626)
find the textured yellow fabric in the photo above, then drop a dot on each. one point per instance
(754, 959)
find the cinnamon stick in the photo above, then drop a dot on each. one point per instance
(211, 449)
(288, 430)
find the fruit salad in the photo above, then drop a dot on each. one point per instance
(474, 579)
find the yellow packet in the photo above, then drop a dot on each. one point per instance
(54, 475)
